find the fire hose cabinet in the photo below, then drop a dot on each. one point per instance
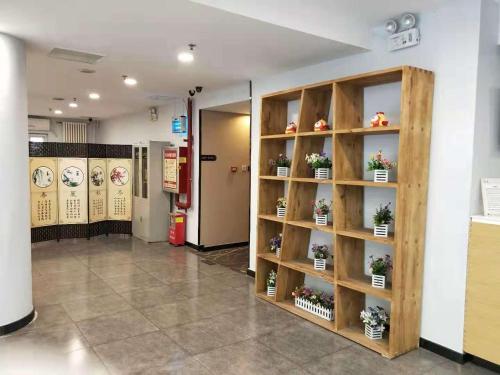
(175, 178)
(177, 230)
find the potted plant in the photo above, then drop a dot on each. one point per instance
(321, 164)
(281, 207)
(320, 255)
(315, 302)
(375, 320)
(282, 165)
(380, 268)
(271, 284)
(381, 220)
(380, 167)
(275, 245)
(321, 210)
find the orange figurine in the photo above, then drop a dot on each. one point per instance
(321, 125)
(379, 120)
(291, 128)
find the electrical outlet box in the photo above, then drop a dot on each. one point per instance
(404, 39)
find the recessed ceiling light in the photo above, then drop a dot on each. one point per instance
(58, 112)
(94, 96)
(58, 98)
(129, 81)
(87, 71)
(73, 104)
(187, 56)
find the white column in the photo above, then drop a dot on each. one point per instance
(15, 248)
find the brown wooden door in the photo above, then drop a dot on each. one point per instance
(225, 195)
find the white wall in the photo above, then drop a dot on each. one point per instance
(487, 122)
(449, 47)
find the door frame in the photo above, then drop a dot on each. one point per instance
(201, 247)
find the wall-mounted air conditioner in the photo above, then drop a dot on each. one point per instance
(38, 125)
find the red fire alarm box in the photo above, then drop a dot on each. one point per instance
(175, 170)
(177, 231)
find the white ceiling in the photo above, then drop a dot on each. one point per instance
(142, 39)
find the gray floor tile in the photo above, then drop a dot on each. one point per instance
(106, 272)
(87, 308)
(133, 281)
(113, 327)
(137, 354)
(143, 298)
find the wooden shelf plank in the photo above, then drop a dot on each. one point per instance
(365, 286)
(278, 136)
(312, 225)
(392, 129)
(357, 334)
(312, 180)
(271, 257)
(264, 296)
(325, 133)
(366, 234)
(307, 266)
(271, 217)
(289, 305)
(274, 178)
(392, 185)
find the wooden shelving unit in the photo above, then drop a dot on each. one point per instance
(343, 99)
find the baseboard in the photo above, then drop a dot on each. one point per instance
(445, 352)
(18, 324)
(486, 364)
(250, 272)
(216, 247)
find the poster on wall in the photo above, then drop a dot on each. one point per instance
(98, 206)
(72, 174)
(43, 187)
(119, 189)
(170, 170)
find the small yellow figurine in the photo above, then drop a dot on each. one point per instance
(379, 120)
(291, 128)
(321, 125)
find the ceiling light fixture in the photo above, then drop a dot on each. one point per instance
(129, 81)
(73, 104)
(94, 96)
(58, 112)
(187, 57)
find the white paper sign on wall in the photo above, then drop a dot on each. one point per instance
(490, 188)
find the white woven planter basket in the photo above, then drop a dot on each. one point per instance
(271, 291)
(278, 251)
(378, 281)
(322, 173)
(280, 212)
(320, 264)
(283, 171)
(321, 219)
(373, 333)
(381, 230)
(380, 175)
(317, 310)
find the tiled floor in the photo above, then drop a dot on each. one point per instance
(234, 258)
(120, 306)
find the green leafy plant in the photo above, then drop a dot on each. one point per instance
(281, 202)
(281, 161)
(383, 215)
(271, 279)
(377, 161)
(380, 266)
(314, 296)
(321, 207)
(320, 251)
(316, 161)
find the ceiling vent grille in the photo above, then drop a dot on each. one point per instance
(76, 56)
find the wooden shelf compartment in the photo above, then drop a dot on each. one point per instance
(264, 267)
(390, 184)
(276, 178)
(266, 230)
(324, 133)
(312, 180)
(365, 234)
(274, 118)
(271, 217)
(316, 105)
(375, 78)
(391, 129)
(289, 305)
(303, 146)
(270, 149)
(311, 224)
(289, 136)
(269, 192)
(350, 260)
(348, 305)
(271, 257)
(306, 266)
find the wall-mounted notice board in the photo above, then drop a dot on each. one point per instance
(43, 183)
(98, 206)
(119, 189)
